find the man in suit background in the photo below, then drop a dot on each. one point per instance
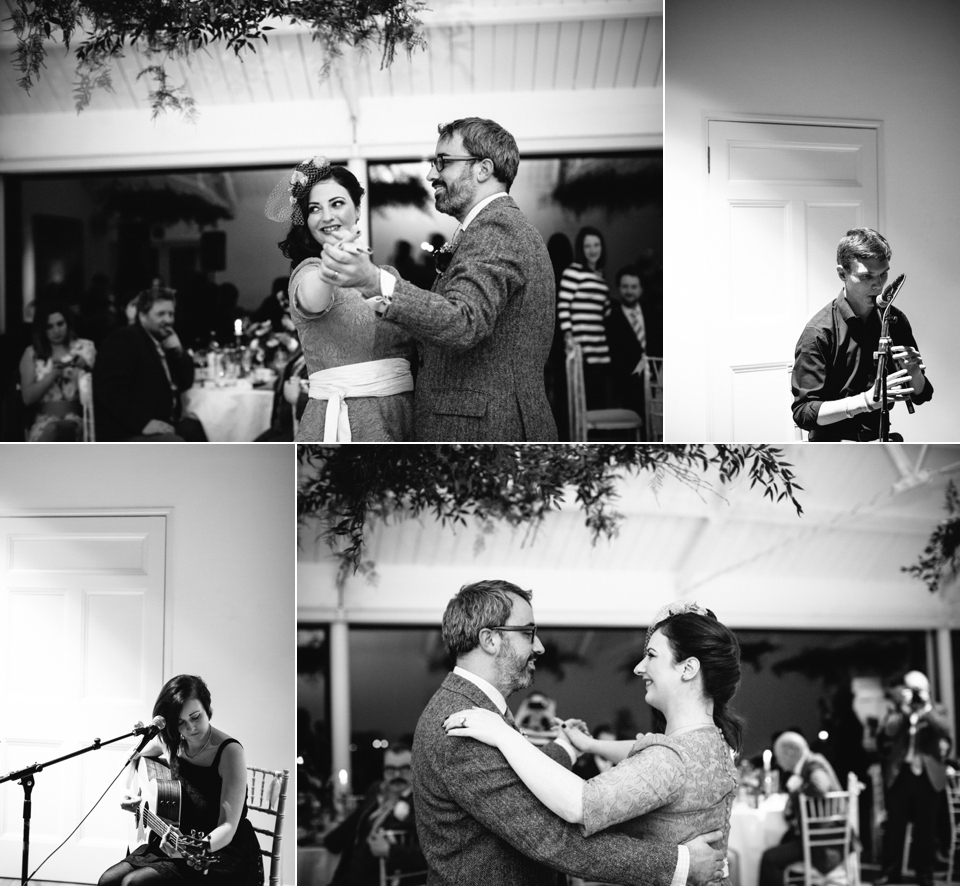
(915, 776)
(485, 328)
(478, 823)
(810, 774)
(382, 827)
(140, 374)
(627, 339)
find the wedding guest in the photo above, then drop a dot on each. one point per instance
(583, 304)
(140, 376)
(627, 339)
(49, 375)
(361, 387)
(381, 828)
(275, 306)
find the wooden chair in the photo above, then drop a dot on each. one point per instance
(267, 797)
(411, 877)
(582, 420)
(653, 397)
(953, 799)
(831, 821)
(85, 387)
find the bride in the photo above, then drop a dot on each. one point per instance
(361, 387)
(672, 786)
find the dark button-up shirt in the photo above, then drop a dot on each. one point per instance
(834, 359)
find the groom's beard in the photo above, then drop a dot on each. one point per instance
(454, 199)
(513, 671)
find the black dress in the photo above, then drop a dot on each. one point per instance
(239, 864)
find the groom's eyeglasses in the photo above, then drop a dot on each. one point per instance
(441, 160)
(529, 630)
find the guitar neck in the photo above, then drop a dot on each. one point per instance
(161, 828)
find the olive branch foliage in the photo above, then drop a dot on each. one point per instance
(940, 559)
(165, 30)
(346, 489)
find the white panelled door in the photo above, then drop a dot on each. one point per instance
(81, 658)
(781, 196)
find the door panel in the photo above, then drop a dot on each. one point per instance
(81, 658)
(781, 196)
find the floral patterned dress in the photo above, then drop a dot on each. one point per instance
(672, 788)
(64, 389)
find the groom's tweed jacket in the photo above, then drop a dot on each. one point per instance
(484, 334)
(480, 826)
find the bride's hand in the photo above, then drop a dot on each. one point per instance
(576, 733)
(483, 725)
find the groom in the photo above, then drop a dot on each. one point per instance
(486, 325)
(478, 824)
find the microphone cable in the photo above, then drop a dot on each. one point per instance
(77, 828)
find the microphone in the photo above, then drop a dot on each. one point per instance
(155, 725)
(890, 293)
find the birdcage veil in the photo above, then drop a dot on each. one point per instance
(282, 205)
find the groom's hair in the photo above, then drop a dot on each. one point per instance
(488, 141)
(483, 604)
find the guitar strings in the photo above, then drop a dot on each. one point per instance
(77, 828)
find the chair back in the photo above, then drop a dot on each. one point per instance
(85, 388)
(953, 800)
(653, 397)
(576, 393)
(267, 798)
(831, 821)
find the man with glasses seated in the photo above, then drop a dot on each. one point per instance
(484, 328)
(382, 827)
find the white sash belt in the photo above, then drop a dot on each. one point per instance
(375, 378)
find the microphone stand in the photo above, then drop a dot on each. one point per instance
(881, 355)
(25, 777)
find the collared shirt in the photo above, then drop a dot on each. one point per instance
(174, 391)
(494, 694)
(834, 359)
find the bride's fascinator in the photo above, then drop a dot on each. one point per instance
(283, 204)
(676, 608)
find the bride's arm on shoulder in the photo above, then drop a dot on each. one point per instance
(233, 771)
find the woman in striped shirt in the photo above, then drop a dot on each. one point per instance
(583, 303)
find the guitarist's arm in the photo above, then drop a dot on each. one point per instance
(233, 771)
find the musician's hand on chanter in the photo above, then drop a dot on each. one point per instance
(909, 358)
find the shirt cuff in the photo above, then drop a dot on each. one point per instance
(564, 742)
(387, 284)
(683, 866)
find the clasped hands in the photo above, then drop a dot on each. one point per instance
(348, 264)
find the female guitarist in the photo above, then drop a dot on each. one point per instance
(210, 769)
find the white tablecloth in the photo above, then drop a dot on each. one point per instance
(235, 413)
(753, 830)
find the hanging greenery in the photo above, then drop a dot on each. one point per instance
(402, 192)
(345, 488)
(940, 559)
(172, 29)
(610, 184)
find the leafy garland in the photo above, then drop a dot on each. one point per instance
(940, 560)
(170, 29)
(346, 488)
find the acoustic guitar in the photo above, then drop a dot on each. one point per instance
(159, 812)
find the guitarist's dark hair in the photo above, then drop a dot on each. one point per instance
(177, 691)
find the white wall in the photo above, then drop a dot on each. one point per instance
(862, 59)
(230, 568)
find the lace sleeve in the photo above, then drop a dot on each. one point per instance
(643, 781)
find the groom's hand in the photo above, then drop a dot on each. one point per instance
(706, 863)
(340, 267)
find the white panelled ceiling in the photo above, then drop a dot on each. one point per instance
(868, 511)
(562, 76)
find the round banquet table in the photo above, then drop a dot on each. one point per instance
(753, 830)
(231, 413)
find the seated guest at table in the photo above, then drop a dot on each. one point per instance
(140, 375)
(671, 786)
(383, 827)
(289, 391)
(275, 306)
(812, 775)
(361, 387)
(49, 372)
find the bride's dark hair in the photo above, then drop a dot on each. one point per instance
(717, 649)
